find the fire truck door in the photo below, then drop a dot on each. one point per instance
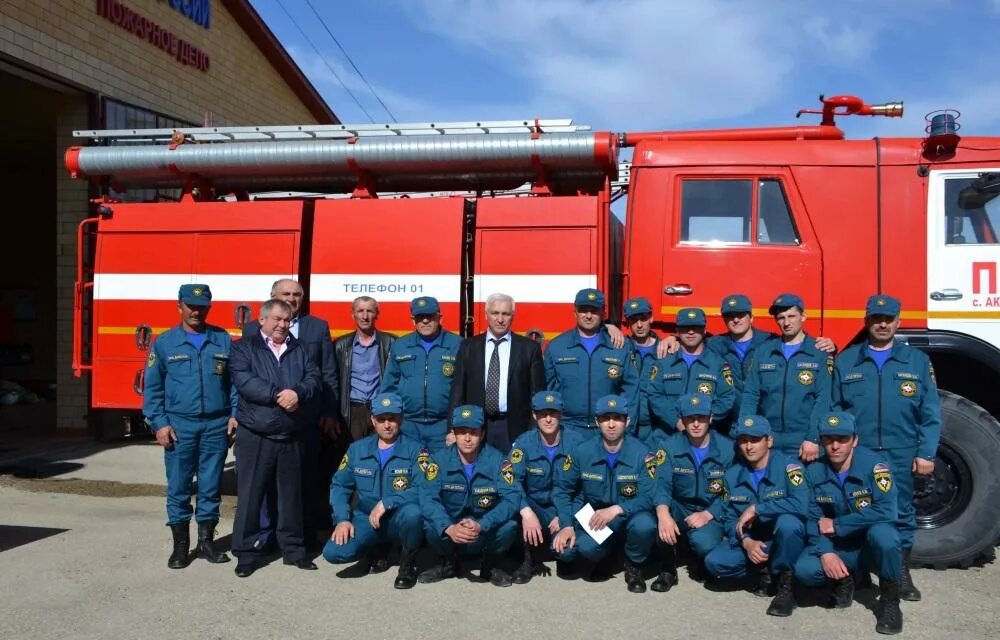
(737, 234)
(144, 252)
(963, 255)
(390, 250)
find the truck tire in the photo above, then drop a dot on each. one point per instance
(958, 507)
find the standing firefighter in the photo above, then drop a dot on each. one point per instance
(189, 401)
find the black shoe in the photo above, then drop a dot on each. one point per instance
(784, 601)
(179, 557)
(764, 584)
(907, 590)
(379, 560)
(531, 566)
(499, 578)
(664, 582)
(696, 570)
(633, 578)
(406, 577)
(443, 571)
(890, 618)
(245, 569)
(206, 543)
(843, 593)
(305, 564)
(565, 571)
(359, 569)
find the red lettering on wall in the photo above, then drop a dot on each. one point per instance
(991, 276)
(145, 29)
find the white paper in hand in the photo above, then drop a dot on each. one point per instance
(583, 516)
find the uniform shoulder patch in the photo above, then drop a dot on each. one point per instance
(650, 461)
(883, 478)
(727, 373)
(516, 455)
(661, 456)
(343, 463)
(432, 471)
(507, 472)
(794, 473)
(567, 463)
(151, 360)
(423, 459)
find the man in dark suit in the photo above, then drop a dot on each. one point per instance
(499, 371)
(314, 334)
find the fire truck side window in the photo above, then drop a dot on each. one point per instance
(774, 219)
(716, 210)
(977, 225)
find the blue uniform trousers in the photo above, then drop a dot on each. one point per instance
(878, 549)
(901, 465)
(429, 434)
(492, 542)
(636, 533)
(784, 541)
(200, 449)
(703, 539)
(402, 525)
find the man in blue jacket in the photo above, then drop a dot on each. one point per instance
(643, 343)
(421, 369)
(852, 515)
(279, 386)
(379, 472)
(468, 497)
(189, 402)
(765, 513)
(890, 389)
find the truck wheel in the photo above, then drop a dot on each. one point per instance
(958, 507)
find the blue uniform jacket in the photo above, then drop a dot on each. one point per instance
(187, 383)
(582, 378)
(868, 497)
(782, 490)
(791, 394)
(722, 345)
(360, 474)
(671, 378)
(586, 477)
(898, 408)
(422, 378)
(644, 366)
(686, 487)
(533, 471)
(490, 498)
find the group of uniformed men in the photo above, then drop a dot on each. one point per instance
(775, 460)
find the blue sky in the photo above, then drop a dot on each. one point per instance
(651, 65)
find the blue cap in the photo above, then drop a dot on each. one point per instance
(386, 403)
(589, 298)
(547, 400)
(736, 303)
(468, 416)
(753, 426)
(195, 295)
(882, 306)
(424, 305)
(694, 404)
(837, 423)
(635, 306)
(785, 301)
(690, 317)
(611, 404)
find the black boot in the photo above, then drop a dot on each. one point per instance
(633, 578)
(182, 542)
(668, 572)
(490, 572)
(446, 568)
(763, 588)
(407, 575)
(524, 573)
(379, 560)
(843, 593)
(784, 601)
(206, 543)
(907, 590)
(890, 618)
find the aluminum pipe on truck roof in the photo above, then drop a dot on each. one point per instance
(470, 159)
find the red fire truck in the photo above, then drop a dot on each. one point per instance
(461, 210)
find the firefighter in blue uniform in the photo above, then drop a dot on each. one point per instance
(469, 498)
(692, 369)
(420, 369)
(852, 521)
(536, 456)
(691, 469)
(737, 346)
(616, 475)
(189, 402)
(380, 473)
(788, 382)
(765, 511)
(890, 389)
(583, 365)
(643, 343)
